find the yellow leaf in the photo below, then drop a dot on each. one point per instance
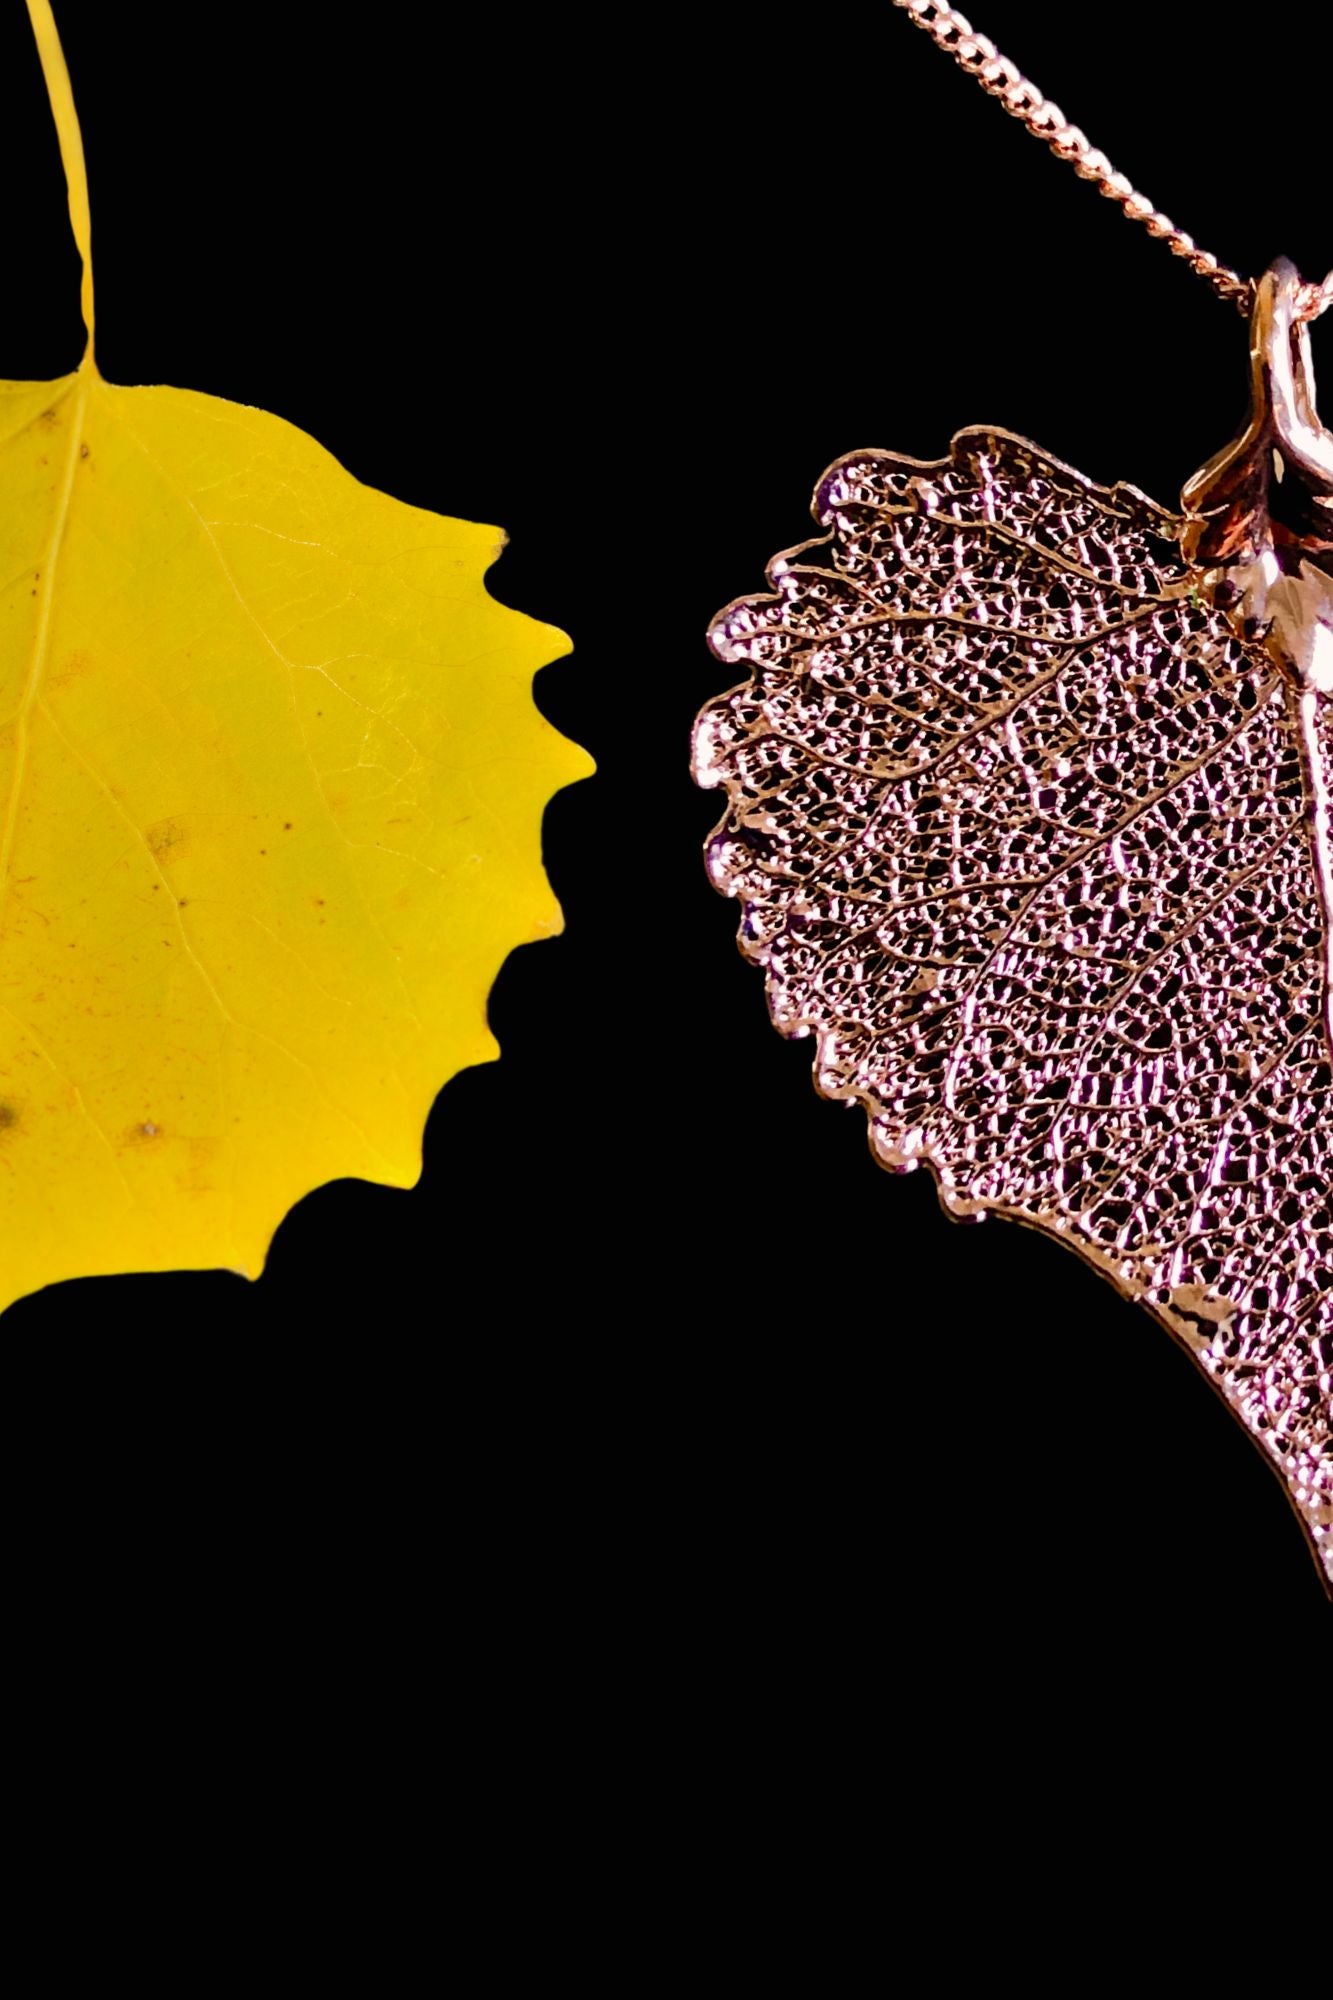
(271, 787)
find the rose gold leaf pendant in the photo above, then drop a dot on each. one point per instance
(1028, 813)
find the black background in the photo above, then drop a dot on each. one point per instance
(655, 1381)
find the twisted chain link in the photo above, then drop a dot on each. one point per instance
(1002, 79)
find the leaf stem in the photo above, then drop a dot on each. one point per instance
(71, 150)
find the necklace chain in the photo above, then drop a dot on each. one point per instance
(979, 57)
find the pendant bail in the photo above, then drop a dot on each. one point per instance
(1259, 515)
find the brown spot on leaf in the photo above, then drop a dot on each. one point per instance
(9, 1116)
(166, 836)
(71, 668)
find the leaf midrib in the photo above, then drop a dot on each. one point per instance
(41, 643)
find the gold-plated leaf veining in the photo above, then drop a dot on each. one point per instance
(1021, 827)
